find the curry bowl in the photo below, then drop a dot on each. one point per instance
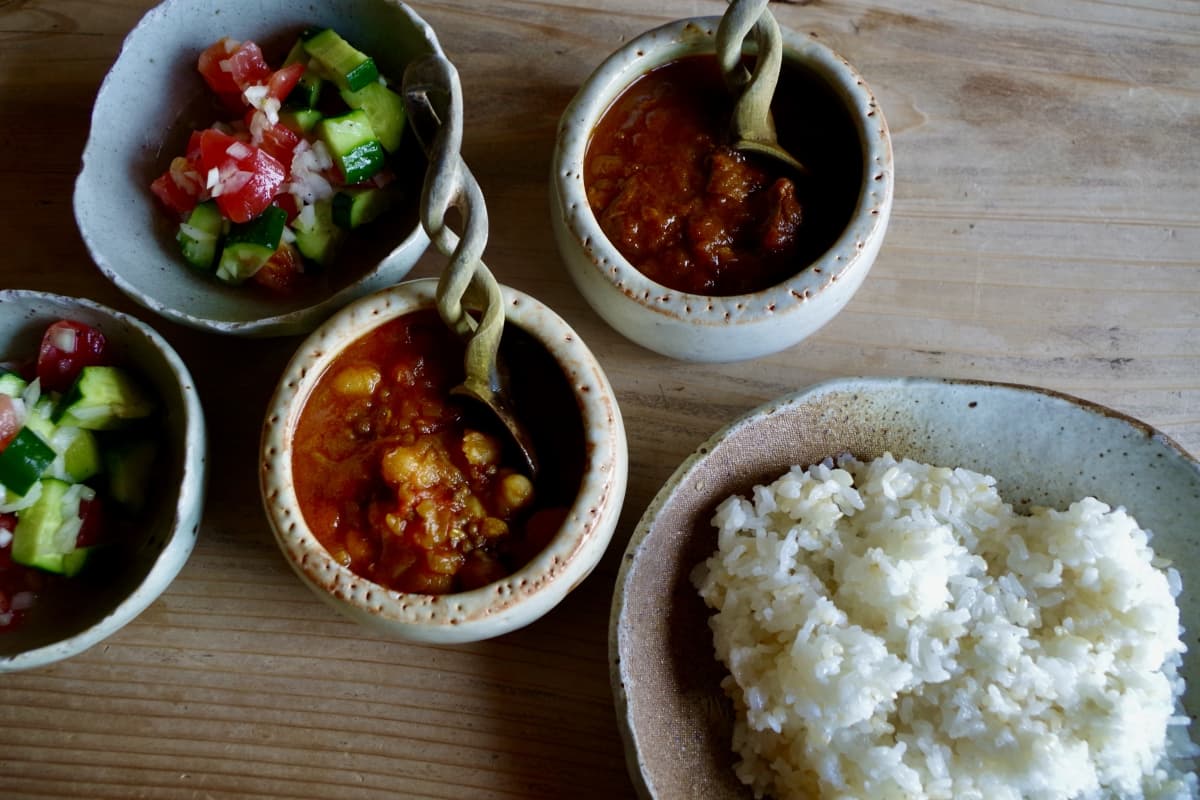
(1042, 447)
(693, 294)
(146, 538)
(376, 482)
(151, 101)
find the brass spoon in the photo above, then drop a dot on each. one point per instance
(752, 125)
(466, 281)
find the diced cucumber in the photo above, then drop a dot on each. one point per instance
(317, 236)
(352, 143)
(130, 465)
(77, 453)
(307, 91)
(11, 383)
(38, 538)
(349, 68)
(358, 206)
(80, 453)
(384, 109)
(23, 461)
(34, 537)
(248, 246)
(200, 235)
(103, 398)
(300, 120)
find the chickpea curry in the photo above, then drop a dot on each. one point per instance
(695, 215)
(408, 485)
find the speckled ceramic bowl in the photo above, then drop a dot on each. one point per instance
(700, 327)
(1044, 449)
(72, 616)
(496, 608)
(153, 98)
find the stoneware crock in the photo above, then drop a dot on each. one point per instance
(700, 327)
(148, 104)
(499, 607)
(1044, 448)
(94, 606)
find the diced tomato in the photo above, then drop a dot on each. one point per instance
(280, 142)
(283, 80)
(92, 530)
(287, 201)
(229, 66)
(10, 425)
(8, 522)
(282, 271)
(246, 184)
(182, 185)
(67, 347)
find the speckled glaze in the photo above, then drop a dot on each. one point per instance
(499, 607)
(1044, 449)
(164, 546)
(696, 327)
(148, 103)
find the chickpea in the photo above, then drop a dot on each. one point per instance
(493, 528)
(480, 449)
(513, 492)
(357, 380)
(444, 562)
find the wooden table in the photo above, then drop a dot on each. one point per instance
(1045, 231)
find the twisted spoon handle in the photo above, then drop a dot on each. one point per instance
(429, 84)
(752, 125)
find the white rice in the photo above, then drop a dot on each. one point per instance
(895, 630)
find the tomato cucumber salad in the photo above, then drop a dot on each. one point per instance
(304, 157)
(77, 446)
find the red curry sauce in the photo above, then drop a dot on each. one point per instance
(409, 486)
(694, 214)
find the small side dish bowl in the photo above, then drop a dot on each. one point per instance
(1044, 449)
(709, 327)
(574, 545)
(91, 606)
(153, 98)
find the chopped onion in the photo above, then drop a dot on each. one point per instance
(32, 393)
(255, 95)
(307, 216)
(6, 537)
(10, 503)
(239, 150)
(64, 339)
(195, 233)
(23, 601)
(63, 540)
(226, 64)
(214, 175)
(288, 235)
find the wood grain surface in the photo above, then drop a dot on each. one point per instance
(1045, 231)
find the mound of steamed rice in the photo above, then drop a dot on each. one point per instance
(895, 630)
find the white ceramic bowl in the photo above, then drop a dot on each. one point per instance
(700, 327)
(100, 604)
(496, 608)
(1044, 449)
(148, 104)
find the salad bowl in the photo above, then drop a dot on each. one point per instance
(149, 103)
(76, 613)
